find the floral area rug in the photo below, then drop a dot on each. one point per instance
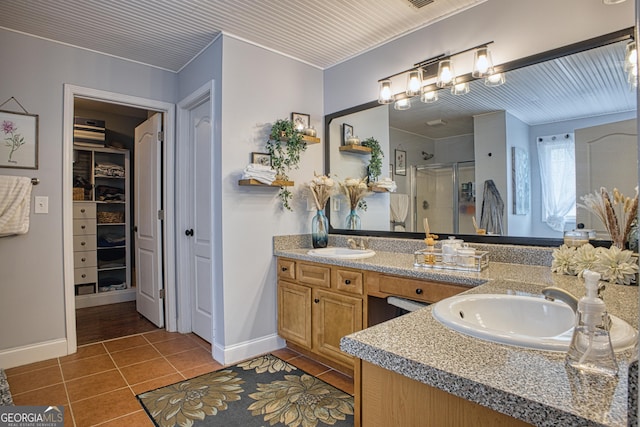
(265, 391)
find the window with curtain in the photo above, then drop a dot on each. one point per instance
(556, 155)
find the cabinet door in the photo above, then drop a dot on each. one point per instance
(334, 316)
(294, 313)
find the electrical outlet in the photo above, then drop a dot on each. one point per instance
(42, 205)
(311, 206)
(335, 202)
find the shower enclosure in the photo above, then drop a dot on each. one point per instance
(445, 194)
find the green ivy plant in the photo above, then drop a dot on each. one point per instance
(285, 145)
(375, 164)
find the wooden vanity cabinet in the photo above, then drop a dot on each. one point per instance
(317, 305)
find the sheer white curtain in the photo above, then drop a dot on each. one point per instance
(556, 155)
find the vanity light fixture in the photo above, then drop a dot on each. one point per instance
(414, 82)
(420, 78)
(385, 96)
(460, 88)
(609, 2)
(402, 104)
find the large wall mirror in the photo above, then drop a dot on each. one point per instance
(466, 157)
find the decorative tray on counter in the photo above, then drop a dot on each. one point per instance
(434, 258)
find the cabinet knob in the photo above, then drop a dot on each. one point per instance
(82, 210)
(316, 300)
(284, 269)
(84, 275)
(83, 259)
(83, 226)
(188, 232)
(83, 243)
(347, 282)
(419, 291)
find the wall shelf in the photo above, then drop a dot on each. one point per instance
(256, 183)
(358, 149)
(376, 189)
(306, 138)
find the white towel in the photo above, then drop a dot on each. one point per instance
(261, 173)
(399, 205)
(387, 183)
(15, 202)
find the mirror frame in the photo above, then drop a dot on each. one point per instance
(617, 36)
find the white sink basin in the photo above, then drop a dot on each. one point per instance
(343, 253)
(523, 321)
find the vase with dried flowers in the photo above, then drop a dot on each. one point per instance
(355, 189)
(321, 188)
(617, 213)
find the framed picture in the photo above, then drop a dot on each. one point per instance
(347, 132)
(520, 181)
(401, 162)
(19, 144)
(300, 121)
(261, 158)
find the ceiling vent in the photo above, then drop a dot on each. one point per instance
(437, 122)
(420, 3)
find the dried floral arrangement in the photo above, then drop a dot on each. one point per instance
(355, 189)
(615, 265)
(321, 188)
(616, 213)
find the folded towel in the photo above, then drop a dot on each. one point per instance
(261, 173)
(15, 203)
(387, 183)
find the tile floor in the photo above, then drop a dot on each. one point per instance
(98, 384)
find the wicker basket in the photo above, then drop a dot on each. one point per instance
(110, 217)
(78, 193)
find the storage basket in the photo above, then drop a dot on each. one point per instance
(110, 217)
(78, 193)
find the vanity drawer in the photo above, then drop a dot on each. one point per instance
(84, 243)
(286, 269)
(84, 210)
(85, 275)
(85, 259)
(348, 281)
(420, 290)
(84, 226)
(313, 274)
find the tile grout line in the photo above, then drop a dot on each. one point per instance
(66, 392)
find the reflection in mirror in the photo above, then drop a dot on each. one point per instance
(486, 146)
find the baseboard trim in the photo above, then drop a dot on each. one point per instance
(246, 350)
(32, 353)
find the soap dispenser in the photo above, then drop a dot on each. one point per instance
(591, 348)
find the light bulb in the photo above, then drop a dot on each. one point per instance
(429, 96)
(414, 82)
(495, 79)
(460, 88)
(446, 75)
(385, 96)
(402, 104)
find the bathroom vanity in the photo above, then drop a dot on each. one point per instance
(412, 370)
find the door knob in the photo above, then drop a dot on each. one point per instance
(188, 232)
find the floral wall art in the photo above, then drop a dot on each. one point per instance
(19, 140)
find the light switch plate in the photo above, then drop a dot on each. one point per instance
(42, 205)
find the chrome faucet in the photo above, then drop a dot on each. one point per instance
(553, 293)
(353, 245)
(568, 298)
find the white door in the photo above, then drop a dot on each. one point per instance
(148, 226)
(201, 209)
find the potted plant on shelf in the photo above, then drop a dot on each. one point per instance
(285, 145)
(375, 164)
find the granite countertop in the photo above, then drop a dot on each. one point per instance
(534, 386)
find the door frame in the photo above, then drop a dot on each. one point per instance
(184, 107)
(168, 226)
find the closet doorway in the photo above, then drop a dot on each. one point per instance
(115, 199)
